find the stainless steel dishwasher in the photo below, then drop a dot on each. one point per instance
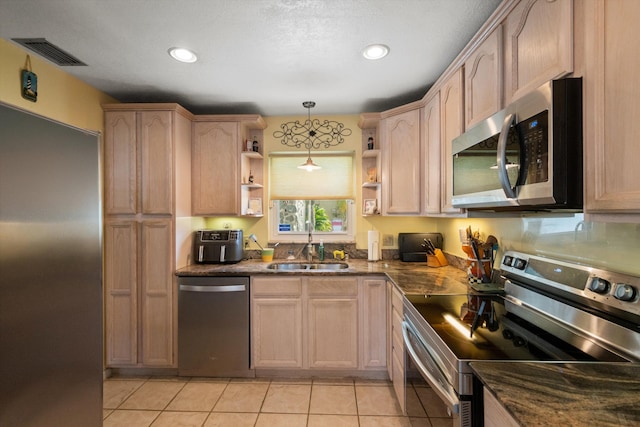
(213, 327)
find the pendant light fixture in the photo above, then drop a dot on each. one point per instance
(311, 134)
(309, 165)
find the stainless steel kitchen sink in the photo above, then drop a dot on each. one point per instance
(308, 266)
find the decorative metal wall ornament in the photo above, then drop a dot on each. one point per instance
(311, 134)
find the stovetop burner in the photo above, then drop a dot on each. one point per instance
(498, 333)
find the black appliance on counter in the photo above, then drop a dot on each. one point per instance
(411, 246)
(550, 310)
(217, 246)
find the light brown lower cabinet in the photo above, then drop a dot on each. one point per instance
(495, 415)
(397, 358)
(139, 293)
(318, 323)
(332, 322)
(276, 322)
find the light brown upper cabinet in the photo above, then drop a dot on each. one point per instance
(401, 166)
(431, 149)
(538, 45)
(138, 141)
(611, 125)
(483, 79)
(452, 123)
(215, 168)
(217, 181)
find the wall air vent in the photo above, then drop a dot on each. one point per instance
(49, 51)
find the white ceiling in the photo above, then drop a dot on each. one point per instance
(255, 56)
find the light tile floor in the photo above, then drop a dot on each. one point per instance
(211, 402)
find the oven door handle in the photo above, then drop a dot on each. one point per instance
(501, 157)
(451, 399)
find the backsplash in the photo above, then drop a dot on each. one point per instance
(568, 237)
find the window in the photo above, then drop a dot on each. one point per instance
(322, 198)
(332, 220)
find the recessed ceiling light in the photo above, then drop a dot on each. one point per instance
(183, 55)
(375, 51)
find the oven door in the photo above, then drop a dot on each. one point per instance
(430, 366)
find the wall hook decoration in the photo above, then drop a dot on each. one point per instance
(29, 82)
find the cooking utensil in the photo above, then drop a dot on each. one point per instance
(476, 252)
(493, 242)
(477, 318)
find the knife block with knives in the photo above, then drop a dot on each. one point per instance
(435, 257)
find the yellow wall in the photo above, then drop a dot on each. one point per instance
(66, 99)
(61, 96)
(385, 225)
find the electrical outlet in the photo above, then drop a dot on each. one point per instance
(387, 240)
(226, 225)
(246, 243)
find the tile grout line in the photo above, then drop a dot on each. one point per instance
(270, 383)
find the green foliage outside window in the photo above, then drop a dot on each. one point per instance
(323, 223)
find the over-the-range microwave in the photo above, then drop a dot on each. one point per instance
(525, 157)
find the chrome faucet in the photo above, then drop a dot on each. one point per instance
(310, 244)
(310, 223)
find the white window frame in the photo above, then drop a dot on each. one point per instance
(275, 235)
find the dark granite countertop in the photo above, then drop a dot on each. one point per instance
(410, 277)
(565, 394)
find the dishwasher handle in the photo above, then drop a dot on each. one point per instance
(213, 288)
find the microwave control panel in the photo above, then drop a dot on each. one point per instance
(535, 131)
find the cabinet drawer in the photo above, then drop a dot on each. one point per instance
(276, 286)
(333, 286)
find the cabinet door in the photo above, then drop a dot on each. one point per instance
(332, 319)
(399, 379)
(612, 90)
(215, 168)
(120, 164)
(397, 348)
(157, 293)
(538, 45)
(156, 164)
(401, 158)
(494, 413)
(121, 305)
(276, 329)
(431, 147)
(374, 323)
(333, 332)
(451, 99)
(483, 79)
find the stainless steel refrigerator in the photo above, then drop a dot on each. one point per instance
(50, 273)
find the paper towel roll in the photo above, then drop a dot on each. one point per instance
(373, 245)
